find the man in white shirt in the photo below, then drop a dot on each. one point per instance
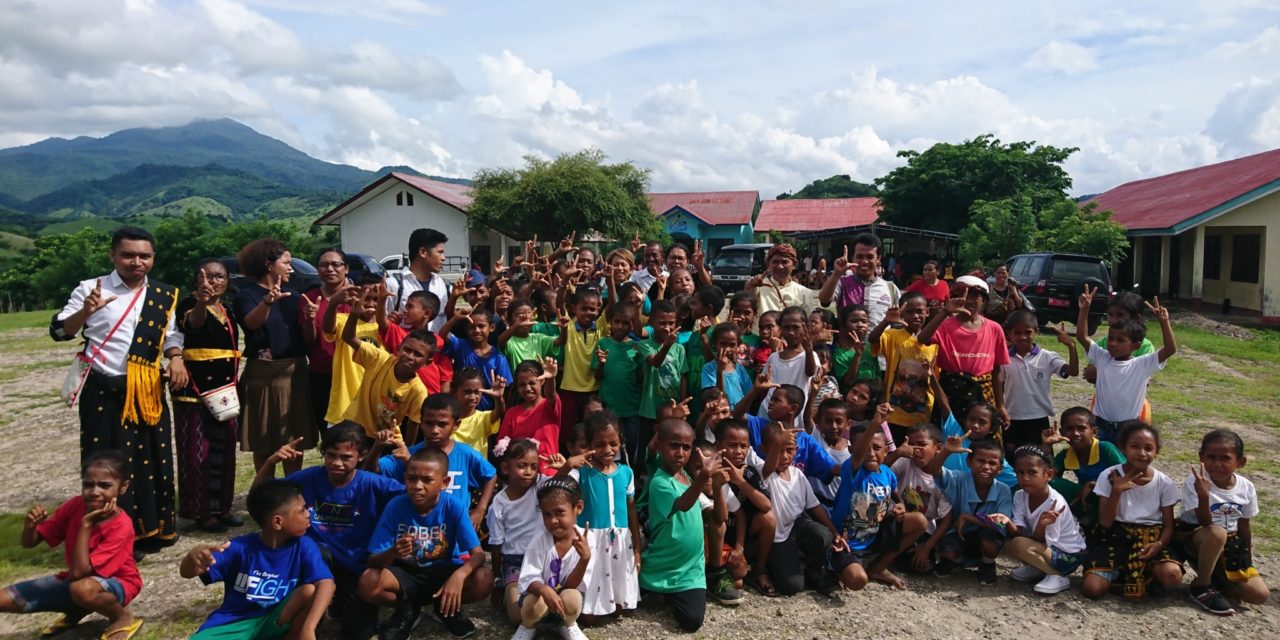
(777, 290)
(426, 261)
(653, 266)
(864, 286)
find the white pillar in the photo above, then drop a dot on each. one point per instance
(1197, 267)
(1166, 252)
(1138, 241)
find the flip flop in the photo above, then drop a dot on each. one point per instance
(752, 580)
(61, 624)
(128, 631)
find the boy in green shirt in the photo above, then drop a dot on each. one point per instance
(520, 341)
(663, 367)
(1086, 457)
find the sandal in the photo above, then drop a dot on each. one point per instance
(61, 624)
(767, 590)
(129, 631)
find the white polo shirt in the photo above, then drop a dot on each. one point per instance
(1026, 382)
(114, 353)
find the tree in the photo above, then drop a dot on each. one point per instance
(838, 186)
(1066, 226)
(936, 188)
(997, 229)
(56, 265)
(575, 191)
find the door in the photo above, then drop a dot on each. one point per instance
(480, 256)
(1150, 268)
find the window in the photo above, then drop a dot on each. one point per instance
(408, 198)
(404, 198)
(1077, 270)
(400, 199)
(1212, 257)
(1034, 271)
(1017, 267)
(1245, 250)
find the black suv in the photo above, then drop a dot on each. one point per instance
(304, 278)
(735, 264)
(1053, 282)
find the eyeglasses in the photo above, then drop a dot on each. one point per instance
(215, 277)
(331, 265)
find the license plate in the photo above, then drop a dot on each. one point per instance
(732, 277)
(1059, 302)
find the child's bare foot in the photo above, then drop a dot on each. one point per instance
(884, 576)
(123, 627)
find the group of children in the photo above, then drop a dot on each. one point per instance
(570, 444)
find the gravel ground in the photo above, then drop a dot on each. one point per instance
(955, 607)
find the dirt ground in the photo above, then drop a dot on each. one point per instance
(40, 466)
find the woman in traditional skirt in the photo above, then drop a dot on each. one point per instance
(332, 265)
(275, 406)
(206, 445)
(971, 349)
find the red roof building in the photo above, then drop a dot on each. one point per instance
(800, 215)
(717, 218)
(1209, 234)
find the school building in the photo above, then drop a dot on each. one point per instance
(379, 219)
(829, 224)
(717, 218)
(1209, 235)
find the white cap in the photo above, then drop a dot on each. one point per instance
(974, 282)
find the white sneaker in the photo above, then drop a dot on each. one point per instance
(525, 633)
(573, 632)
(1027, 573)
(1053, 584)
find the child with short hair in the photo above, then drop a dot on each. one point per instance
(742, 312)
(390, 394)
(796, 363)
(469, 471)
(769, 339)
(475, 427)
(102, 576)
(663, 362)
(716, 502)
(672, 563)
(1135, 520)
(411, 554)
(1215, 529)
(852, 356)
(1043, 533)
(822, 328)
(724, 371)
(832, 433)
(920, 492)
(1122, 376)
(971, 350)
(752, 524)
(557, 560)
(579, 338)
(975, 496)
(783, 406)
(1027, 376)
(1085, 456)
(276, 580)
(617, 367)
(804, 530)
(869, 513)
(519, 342)
(1121, 306)
(980, 423)
(537, 416)
(420, 308)
(608, 491)
(909, 378)
(476, 352)
(344, 503)
(705, 305)
(514, 519)
(369, 327)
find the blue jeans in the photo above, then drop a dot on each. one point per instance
(52, 593)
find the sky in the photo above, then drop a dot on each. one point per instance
(709, 95)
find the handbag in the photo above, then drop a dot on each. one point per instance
(224, 402)
(81, 364)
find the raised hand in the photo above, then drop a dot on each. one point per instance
(204, 292)
(346, 293)
(842, 263)
(670, 339)
(1064, 337)
(956, 307)
(1050, 436)
(310, 308)
(955, 444)
(1086, 296)
(459, 288)
(662, 282)
(698, 258)
(1121, 482)
(839, 543)
(893, 315)
(288, 452)
(580, 542)
(765, 378)
(1201, 482)
(1161, 313)
(579, 461)
(274, 292)
(107, 511)
(35, 516)
(203, 555)
(496, 387)
(566, 244)
(549, 368)
(727, 357)
(1050, 516)
(883, 411)
(94, 302)
(602, 356)
(636, 243)
(555, 460)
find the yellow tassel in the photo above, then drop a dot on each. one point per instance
(143, 400)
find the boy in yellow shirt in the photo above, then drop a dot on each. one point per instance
(346, 373)
(390, 394)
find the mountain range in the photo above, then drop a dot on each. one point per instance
(140, 176)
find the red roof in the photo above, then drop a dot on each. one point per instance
(817, 214)
(457, 195)
(711, 207)
(1172, 202)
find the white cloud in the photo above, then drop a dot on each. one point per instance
(1247, 119)
(1265, 43)
(1063, 57)
(401, 11)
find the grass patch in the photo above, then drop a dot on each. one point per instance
(17, 563)
(25, 320)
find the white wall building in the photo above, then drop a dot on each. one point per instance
(379, 219)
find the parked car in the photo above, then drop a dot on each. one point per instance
(454, 266)
(304, 278)
(361, 263)
(1053, 282)
(735, 264)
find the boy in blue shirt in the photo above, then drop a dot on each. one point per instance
(344, 503)
(411, 559)
(276, 580)
(975, 495)
(784, 405)
(869, 513)
(468, 469)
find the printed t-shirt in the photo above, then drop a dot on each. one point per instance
(437, 371)
(490, 364)
(1226, 506)
(258, 577)
(435, 534)
(468, 470)
(343, 518)
(975, 352)
(110, 544)
(865, 499)
(383, 401)
(346, 373)
(919, 492)
(909, 368)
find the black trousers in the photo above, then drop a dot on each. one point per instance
(689, 608)
(806, 546)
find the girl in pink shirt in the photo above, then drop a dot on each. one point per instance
(537, 416)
